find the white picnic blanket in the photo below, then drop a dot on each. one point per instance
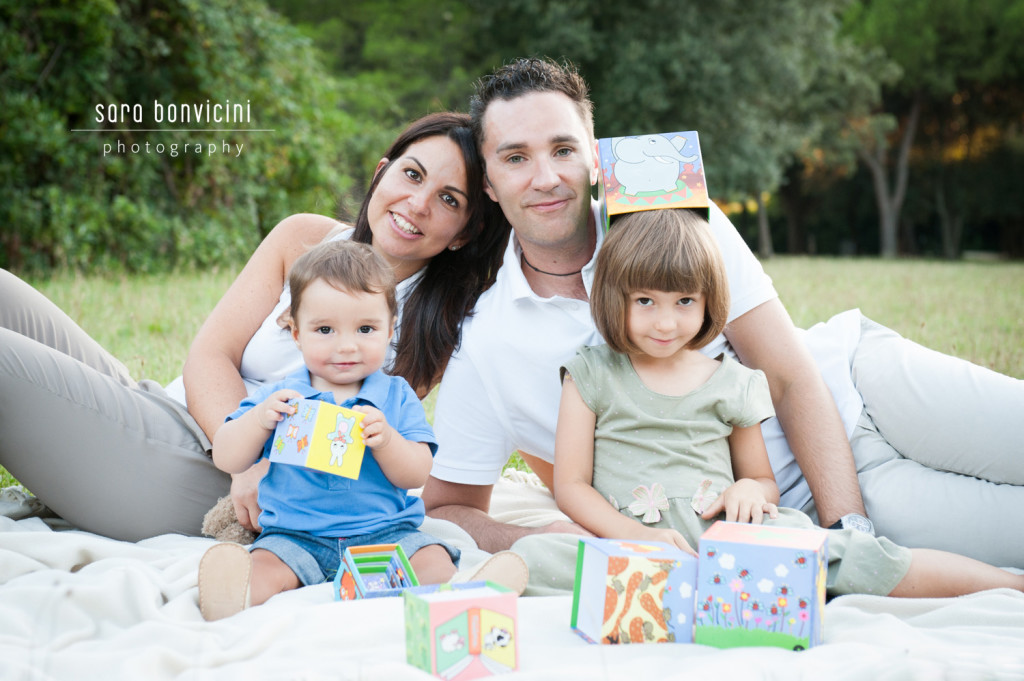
(75, 605)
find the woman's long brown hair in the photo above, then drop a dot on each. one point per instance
(433, 313)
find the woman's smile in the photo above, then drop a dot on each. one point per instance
(404, 226)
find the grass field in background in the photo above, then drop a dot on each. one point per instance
(973, 310)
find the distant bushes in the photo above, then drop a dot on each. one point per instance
(64, 202)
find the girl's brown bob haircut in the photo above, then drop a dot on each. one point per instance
(658, 250)
(345, 265)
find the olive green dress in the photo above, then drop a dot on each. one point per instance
(656, 457)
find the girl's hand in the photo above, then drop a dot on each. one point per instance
(743, 502)
(272, 410)
(377, 433)
(668, 536)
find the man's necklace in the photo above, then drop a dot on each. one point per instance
(550, 274)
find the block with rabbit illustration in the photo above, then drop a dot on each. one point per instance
(761, 585)
(462, 631)
(322, 436)
(633, 592)
(650, 172)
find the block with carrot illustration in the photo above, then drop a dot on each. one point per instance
(760, 585)
(633, 592)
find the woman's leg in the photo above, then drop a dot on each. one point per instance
(124, 462)
(30, 313)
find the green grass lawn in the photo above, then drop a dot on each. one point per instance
(972, 310)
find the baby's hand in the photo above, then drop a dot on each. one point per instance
(669, 536)
(272, 410)
(376, 431)
(743, 502)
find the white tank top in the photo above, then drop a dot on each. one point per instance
(271, 354)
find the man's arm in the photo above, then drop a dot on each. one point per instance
(467, 506)
(764, 338)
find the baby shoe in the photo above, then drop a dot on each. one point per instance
(505, 568)
(224, 574)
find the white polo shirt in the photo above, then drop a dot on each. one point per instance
(501, 390)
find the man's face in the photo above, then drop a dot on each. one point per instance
(540, 166)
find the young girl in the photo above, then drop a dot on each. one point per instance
(655, 440)
(342, 319)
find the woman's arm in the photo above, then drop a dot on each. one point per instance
(754, 494)
(213, 382)
(574, 474)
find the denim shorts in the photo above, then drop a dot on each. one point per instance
(315, 560)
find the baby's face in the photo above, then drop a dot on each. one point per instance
(343, 335)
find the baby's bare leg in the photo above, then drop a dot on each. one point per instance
(939, 574)
(270, 576)
(432, 565)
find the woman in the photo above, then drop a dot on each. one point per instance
(125, 459)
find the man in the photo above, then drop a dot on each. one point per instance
(533, 123)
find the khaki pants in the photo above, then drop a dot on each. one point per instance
(109, 454)
(939, 449)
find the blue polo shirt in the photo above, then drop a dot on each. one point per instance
(326, 505)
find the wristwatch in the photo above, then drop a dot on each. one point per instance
(854, 521)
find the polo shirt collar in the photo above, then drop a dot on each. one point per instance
(374, 390)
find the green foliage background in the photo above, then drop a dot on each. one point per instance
(63, 203)
(792, 98)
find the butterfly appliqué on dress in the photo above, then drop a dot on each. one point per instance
(650, 502)
(703, 497)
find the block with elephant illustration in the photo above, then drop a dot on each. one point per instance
(650, 172)
(633, 592)
(322, 436)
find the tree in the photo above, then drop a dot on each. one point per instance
(949, 51)
(152, 200)
(761, 82)
(395, 61)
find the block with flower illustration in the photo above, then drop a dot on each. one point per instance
(760, 585)
(633, 592)
(322, 436)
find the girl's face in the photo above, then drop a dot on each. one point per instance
(421, 205)
(343, 335)
(661, 323)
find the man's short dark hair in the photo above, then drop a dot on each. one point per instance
(526, 75)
